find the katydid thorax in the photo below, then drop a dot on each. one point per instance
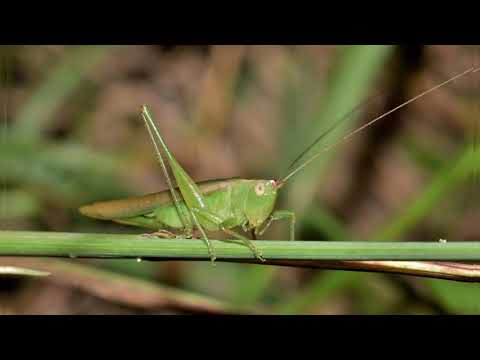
(215, 205)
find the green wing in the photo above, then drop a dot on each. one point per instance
(139, 205)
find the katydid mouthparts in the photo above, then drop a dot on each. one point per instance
(215, 205)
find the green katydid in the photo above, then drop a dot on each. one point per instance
(214, 205)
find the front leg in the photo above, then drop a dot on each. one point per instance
(279, 215)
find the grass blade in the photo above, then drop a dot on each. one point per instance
(38, 243)
(58, 85)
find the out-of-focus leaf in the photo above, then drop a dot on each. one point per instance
(62, 80)
(17, 204)
(461, 298)
(67, 170)
(444, 181)
(351, 78)
(319, 289)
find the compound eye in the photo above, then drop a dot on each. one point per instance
(260, 189)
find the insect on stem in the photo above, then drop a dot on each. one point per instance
(218, 204)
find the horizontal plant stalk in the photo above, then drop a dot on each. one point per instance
(432, 259)
(38, 243)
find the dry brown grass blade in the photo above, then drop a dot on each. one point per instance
(120, 288)
(456, 271)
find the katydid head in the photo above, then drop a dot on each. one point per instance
(260, 201)
(294, 170)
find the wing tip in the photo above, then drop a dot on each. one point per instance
(91, 211)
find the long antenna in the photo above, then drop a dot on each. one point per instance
(335, 125)
(371, 122)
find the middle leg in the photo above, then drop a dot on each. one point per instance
(224, 226)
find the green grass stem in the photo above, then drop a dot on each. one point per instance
(58, 244)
